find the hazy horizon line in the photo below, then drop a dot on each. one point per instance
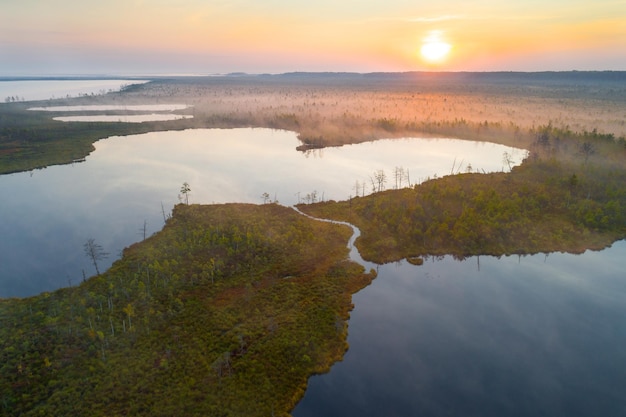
(60, 76)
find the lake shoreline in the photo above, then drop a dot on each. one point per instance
(330, 110)
(233, 306)
(175, 298)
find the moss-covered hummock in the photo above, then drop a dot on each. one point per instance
(560, 199)
(226, 312)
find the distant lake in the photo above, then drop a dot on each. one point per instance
(124, 118)
(484, 337)
(113, 107)
(129, 113)
(31, 90)
(52, 212)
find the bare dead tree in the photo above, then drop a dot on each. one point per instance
(165, 216)
(95, 253)
(507, 159)
(398, 173)
(381, 179)
(373, 184)
(143, 229)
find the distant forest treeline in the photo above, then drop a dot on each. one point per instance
(513, 77)
(332, 109)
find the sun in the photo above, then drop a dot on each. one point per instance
(434, 49)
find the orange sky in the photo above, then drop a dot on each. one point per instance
(194, 36)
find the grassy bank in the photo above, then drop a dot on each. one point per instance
(32, 140)
(335, 109)
(226, 312)
(570, 195)
(230, 308)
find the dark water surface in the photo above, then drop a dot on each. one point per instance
(530, 336)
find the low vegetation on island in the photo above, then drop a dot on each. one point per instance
(230, 308)
(330, 109)
(225, 312)
(569, 195)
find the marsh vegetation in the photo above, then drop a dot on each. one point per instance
(568, 196)
(335, 109)
(227, 311)
(230, 308)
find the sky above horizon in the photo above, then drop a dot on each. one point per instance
(143, 37)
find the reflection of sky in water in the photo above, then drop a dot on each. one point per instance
(114, 107)
(523, 336)
(249, 162)
(519, 337)
(52, 212)
(30, 90)
(124, 118)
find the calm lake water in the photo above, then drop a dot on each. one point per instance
(30, 90)
(530, 336)
(113, 107)
(130, 113)
(54, 211)
(124, 118)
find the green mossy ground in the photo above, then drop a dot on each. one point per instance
(230, 308)
(226, 312)
(569, 195)
(32, 140)
(331, 109)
